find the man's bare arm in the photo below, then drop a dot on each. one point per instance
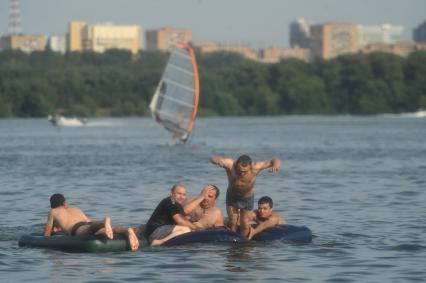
(222, 161)
(274, 164)
(271, 222)
(49, 225)
(180, 220)
(193, 203)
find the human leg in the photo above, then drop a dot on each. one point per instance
(233, 214)
(106, 229)
(245, 222)
(130, 234)
(176, 231)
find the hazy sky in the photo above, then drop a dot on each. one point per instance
(259, 22)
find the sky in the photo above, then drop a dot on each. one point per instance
(259, 23)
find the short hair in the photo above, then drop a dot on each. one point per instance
(267, 200)
(176, 186)
(216, 189)
(57, 200)
(244, 160)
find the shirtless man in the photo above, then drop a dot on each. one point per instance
(240, 194)
(73, 221)
(201, 210)
(264, 216)
(168, 219)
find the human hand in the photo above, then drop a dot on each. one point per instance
(276, 164)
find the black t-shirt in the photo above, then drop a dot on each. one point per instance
(163, 215)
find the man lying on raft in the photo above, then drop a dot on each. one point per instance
(169, 218)
(73, 221)
(264, 217)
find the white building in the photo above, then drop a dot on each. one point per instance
(57, 44)
(386, 33)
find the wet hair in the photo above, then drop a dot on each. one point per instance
(216, 189)
(244, 160)
(267, 200)
(57, 200)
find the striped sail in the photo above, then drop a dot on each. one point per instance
(175, 101)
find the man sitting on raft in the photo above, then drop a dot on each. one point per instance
(264, 217)
(73, 221)
(203, 212)
(168, 219)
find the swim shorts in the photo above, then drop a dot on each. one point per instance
(239, 202)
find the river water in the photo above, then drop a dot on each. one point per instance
(357, 182)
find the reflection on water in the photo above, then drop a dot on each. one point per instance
(237, 255)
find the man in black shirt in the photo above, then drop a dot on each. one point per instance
(168, 219)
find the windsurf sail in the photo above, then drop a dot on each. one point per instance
(174, 104)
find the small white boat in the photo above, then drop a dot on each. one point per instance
(420, 113)
(62, 121)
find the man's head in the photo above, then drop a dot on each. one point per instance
(211, 198)
(264, 207)
(178, 193)
(57, 200)
(243, 165)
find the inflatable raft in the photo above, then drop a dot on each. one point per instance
(96, 244)
(285, 232)
(91, 244)
(222, 235)
(214, 235)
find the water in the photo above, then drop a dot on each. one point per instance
(357, 182)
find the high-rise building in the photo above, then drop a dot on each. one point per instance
(101, 37)
(163, 39)
(75, 36)
(387, 34)
(299, 33)
(419, 33)
(331, 40)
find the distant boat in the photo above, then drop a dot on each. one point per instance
(174, 104)
(420, 113)
(59, 120)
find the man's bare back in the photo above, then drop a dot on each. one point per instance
(67, 217)
(73, 221)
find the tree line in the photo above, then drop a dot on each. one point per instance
(116, 83)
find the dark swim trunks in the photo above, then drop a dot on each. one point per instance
(92, 228)
(239, 202)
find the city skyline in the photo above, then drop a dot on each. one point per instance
(254, 22)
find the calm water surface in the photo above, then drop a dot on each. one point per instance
(357, 182)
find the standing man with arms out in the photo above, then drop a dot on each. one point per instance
(240, 194)
(168, 219)
(264, 216)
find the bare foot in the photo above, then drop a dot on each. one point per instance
(108, 228)
(133, 240)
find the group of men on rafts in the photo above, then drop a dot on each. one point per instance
(174, 215)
